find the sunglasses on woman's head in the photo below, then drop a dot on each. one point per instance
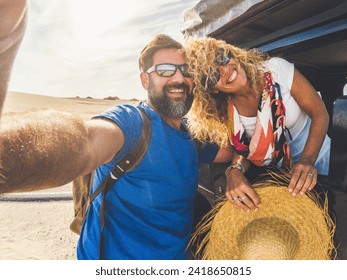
(220, 60)
(168, 70)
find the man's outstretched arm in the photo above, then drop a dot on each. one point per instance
(47, 149)
(13, 17)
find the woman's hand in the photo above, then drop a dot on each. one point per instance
(304, 177)
(239, 192)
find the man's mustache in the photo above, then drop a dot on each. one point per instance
(183, 86)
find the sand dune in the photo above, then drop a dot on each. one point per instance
(87, 108)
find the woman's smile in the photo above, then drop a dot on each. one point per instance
(233, 76)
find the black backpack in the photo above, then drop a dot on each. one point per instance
(81, 187)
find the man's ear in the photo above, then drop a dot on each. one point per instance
(144, 80)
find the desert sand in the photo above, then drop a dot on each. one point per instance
(35, 226)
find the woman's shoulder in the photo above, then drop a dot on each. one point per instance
(278, 62)
(282, 71)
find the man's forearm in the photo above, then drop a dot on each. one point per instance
(41, 150)
(13, 18)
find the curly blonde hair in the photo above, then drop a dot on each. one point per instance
(208, 115)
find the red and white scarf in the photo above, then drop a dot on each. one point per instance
(268, 144)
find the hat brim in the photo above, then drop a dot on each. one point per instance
(223, 226)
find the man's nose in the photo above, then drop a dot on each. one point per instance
(178, 76)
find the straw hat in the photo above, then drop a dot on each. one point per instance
(285, 227)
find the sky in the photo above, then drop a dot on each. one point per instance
(91, 47)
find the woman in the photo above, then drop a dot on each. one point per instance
(263, 107)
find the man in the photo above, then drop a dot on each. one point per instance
(148, 213)
(12, 27)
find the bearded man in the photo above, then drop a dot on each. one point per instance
(148, 214)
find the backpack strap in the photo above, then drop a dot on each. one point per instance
(129, 162)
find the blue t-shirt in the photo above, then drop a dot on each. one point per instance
(148, 213)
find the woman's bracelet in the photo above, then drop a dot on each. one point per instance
(236, 165)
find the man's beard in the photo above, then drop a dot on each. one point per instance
(165, 105)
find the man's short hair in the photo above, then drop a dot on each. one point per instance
(160, 42)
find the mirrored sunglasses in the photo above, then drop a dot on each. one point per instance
(220, 60)
(168, 70)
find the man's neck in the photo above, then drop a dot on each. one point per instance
(175, 123)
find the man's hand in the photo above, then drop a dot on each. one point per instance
(12, 27)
